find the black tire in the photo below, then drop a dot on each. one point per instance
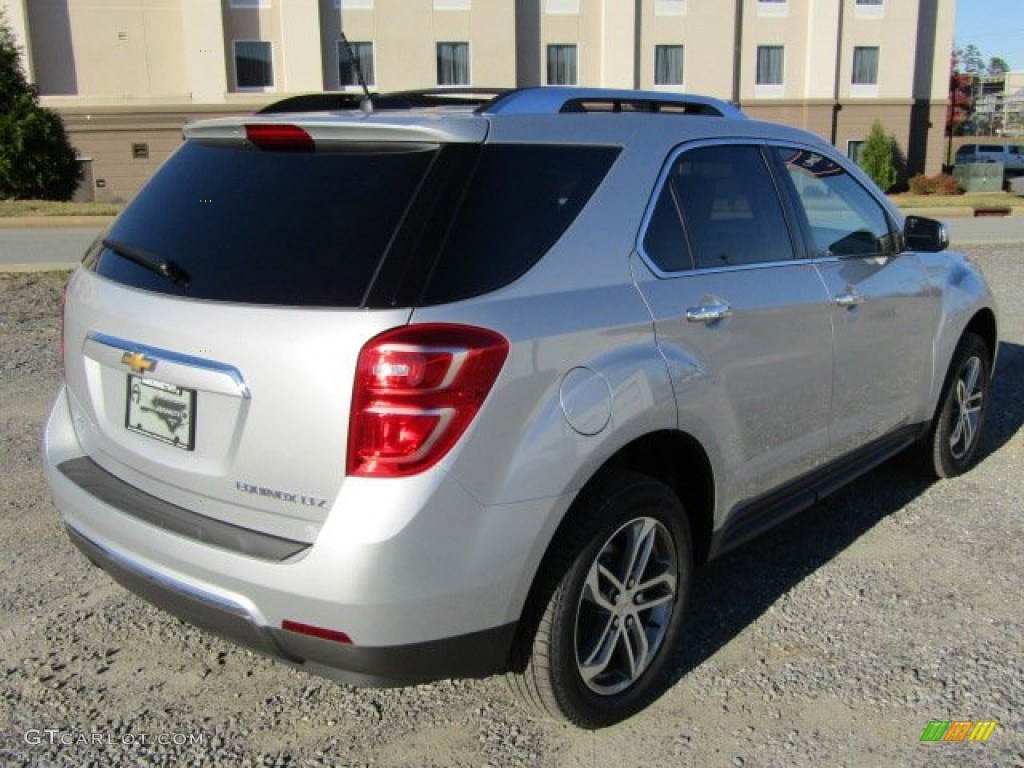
(573, 656)
(951, 445)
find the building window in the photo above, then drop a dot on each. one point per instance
(453, 63)
(772, 8)
(668, 65)
(561, 65)
(855, 150)
(865, 66)
(562, 6)
(669, 7)
(140, 151)
(363, 53)
(250, 3)
(354, 5)
(254, 64)
(770, 64)
(869, 9)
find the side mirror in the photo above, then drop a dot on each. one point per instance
(922, 234)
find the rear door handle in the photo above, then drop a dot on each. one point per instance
(849, 299)
(708, 313)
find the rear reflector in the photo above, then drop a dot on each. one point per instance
(319, 632)
(279, 137)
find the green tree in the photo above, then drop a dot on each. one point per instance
(998, 66)
(972, 61)
(36, 158)
(877, 158)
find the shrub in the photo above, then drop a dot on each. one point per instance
(920, 185)
(877, 157)
(942, 184)
(947, 185)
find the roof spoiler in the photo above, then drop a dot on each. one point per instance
(427, 97)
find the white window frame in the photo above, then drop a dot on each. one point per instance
(469, 62)
(370, 81)
(769, 90)
(575, 62)
(869, 10)
(273, 68)
(250, 5)
(773, 8)
(562, 7)
(682, 66)
(854, 148)
(353, 5)
(866, 89)
(669, 7)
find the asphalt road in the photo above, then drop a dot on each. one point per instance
(44, 248)
(61, 248)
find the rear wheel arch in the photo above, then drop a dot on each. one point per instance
(580, 654)
(672, 460)
(983, 324)
(678, 460)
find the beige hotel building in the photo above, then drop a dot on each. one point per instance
(127, 74)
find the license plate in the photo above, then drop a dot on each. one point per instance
(161, 411)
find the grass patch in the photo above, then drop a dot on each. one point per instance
(14, 208)
(979, 200)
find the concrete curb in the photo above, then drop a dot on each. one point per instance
(955, 211)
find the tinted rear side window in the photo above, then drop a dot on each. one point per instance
(731, 209)
(519, 202)
(264, 227)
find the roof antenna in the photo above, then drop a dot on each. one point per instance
(365, 103)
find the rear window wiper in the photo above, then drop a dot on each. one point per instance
(163, 267)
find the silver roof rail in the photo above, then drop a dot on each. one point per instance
(555, 99)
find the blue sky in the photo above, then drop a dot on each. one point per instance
(995, 26)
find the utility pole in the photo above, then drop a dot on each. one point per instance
(737, 53)
(837, 105)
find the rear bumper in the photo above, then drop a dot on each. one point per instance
(474, 655)
(425, 581)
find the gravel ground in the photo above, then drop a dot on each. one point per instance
(833, 640)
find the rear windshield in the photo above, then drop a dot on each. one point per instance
(266, 227)
(370, 226)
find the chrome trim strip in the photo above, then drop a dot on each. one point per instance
(174, 357)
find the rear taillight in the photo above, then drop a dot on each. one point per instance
(417, 389)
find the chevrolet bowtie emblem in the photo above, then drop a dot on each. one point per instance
(138, 362)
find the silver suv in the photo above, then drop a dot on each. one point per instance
(443, 391)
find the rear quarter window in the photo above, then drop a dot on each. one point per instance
(520, 200)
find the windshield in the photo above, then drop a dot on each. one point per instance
(261, 227)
